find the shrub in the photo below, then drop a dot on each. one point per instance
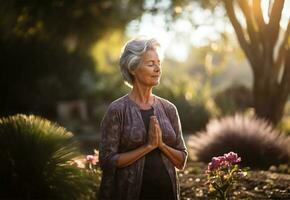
(36, 160)
(256, 141)
(190, 102)
(233, 99)
(193, 116)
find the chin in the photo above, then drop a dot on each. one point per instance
(155, 84)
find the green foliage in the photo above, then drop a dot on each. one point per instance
(36, 160)
(194, 114)
(255, 140)
(36, 75)
(45, 47)
(110, 86)
(81, 21)
(236, 98)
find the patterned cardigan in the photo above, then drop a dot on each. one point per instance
(122, 130)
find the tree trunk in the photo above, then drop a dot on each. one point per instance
(270, 94)
(271, 86)
(267, 105)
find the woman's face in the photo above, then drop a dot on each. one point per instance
(149, 71)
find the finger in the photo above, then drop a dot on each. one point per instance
(159, 133)
(152, 122)
(156, 124)
(155, 121)
(158, 130)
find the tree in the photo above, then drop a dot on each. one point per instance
(259, 41)
(45, 49)
(81, 22)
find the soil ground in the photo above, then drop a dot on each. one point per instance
(257, 185)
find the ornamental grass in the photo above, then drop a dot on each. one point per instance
(256, 141)
(36, 161)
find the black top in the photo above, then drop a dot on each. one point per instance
(156, 184)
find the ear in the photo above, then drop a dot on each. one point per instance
(132, 72)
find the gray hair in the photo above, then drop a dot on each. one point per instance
(131, 56)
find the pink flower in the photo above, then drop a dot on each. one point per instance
(215, 163)
(92, 159)
(232, 158)
(222, 173)
(223, 161)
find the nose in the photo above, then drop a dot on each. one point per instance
(157, 68)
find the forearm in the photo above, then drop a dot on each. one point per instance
(177, 157)
(130, 157)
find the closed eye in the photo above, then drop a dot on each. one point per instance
(153, 65)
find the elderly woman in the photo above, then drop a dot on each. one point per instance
(141, 139)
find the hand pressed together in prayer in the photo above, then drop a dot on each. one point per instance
(154, 133)
(155, 141)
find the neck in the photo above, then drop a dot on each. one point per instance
(142, 96)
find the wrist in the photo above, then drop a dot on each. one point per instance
(162, 145)
(149, 147)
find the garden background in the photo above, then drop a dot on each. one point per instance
(226, 67)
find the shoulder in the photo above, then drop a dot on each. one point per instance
(117, 106)
(114, 112)
(166, 104)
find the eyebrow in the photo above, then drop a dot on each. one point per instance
(152, 61)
